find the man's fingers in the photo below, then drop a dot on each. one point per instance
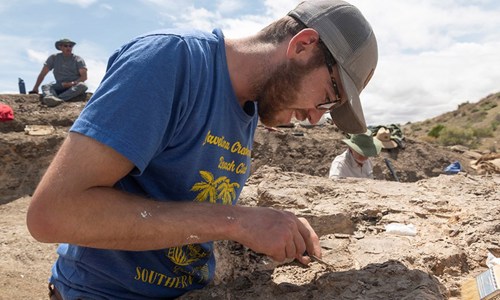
(310, 238)
(281, 235)
(291, 249)
(299, 241)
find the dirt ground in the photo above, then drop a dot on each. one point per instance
(456, 217)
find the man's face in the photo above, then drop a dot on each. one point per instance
(66, 48)
(296, 90)
(358, 157)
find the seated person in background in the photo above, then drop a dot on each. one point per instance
(355, 162)
(70, 73)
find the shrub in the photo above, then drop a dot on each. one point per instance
(436, 130)
(494, 125)
(454, 136)
(482, 132)
(415, 127)
(477, 116)
(429, 139)
(488, 105)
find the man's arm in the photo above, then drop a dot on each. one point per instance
(83, 77)
(75, 202)
(45, 70)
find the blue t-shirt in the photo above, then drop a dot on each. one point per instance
(167, 104)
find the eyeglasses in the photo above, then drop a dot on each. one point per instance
(330, 62)
(68, 46)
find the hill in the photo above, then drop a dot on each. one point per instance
(474, 125)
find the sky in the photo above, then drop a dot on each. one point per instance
(433, 54)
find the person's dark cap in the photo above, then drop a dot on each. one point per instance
(62, 42)
(351, 41)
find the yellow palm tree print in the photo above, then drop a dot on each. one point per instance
(227, 191)
(208, 188)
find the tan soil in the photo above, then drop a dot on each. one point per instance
(456, 216)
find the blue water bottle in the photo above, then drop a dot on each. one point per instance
(22, 87)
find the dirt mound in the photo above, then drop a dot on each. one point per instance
(456, 217)
(25, 156)
(311, 150)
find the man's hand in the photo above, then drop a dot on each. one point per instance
(278, 234)
(67, 85)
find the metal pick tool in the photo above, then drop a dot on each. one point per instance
(324, 263)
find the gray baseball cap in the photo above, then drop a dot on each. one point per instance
(351, 41)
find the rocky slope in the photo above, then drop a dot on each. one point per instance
(456, 217)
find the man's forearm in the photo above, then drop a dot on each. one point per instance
(39, 80)
(103, 217)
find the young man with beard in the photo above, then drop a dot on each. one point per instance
(151, 170)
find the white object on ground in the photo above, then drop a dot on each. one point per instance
(401, 229)
(491, 260)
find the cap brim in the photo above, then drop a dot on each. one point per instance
(349, 116)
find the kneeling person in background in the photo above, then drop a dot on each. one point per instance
(355, 161)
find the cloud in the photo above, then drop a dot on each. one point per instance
(37, 56)
(81, 3)
(4, 7)
(236, 18)
(433, 55)
(15, 62)
(428, 24)
(227, 7)
(105, 6)
(96, 71)
(278, 8)
(419, 86)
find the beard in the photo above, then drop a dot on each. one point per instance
(280, 91)
(277, 92)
